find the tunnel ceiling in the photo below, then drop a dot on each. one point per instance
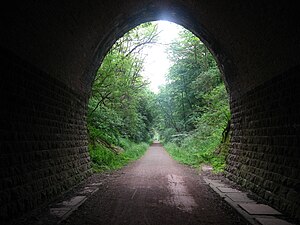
(253, 41)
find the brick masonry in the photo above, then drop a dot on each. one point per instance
(43, 143)
(264, 154)
(43, 138)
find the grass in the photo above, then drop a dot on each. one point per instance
(104, 159)
(195, 152)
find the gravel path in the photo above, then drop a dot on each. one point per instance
(154, 190)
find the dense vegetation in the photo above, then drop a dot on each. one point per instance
(194, 112)
(120, 115)
(190, 114)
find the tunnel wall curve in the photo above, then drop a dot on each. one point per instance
(50, 52)
(264, 147)
(43, 138)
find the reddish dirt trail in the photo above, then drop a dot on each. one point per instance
(154, 190)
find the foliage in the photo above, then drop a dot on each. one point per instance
(120, 108)
(104, 159)
(193, 105)
(121, 104)
(190, 113)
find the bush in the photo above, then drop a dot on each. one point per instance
(104, 158)
(194, 156)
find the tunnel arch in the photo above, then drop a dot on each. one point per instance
(50, 52)
(154, 13)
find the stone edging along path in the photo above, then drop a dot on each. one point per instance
(253, 212)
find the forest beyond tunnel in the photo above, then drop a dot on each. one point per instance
(50, 54)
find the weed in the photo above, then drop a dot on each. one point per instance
(104, 158)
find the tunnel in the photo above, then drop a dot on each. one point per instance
(50, 52)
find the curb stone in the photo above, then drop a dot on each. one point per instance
(60, 211)
(254, 213)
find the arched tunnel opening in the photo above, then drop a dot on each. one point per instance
(50, 53)
(154, 185)
(158, 79)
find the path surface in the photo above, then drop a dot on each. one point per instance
(154, 190)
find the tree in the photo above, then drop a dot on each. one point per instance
(116, 108)
(193, 77)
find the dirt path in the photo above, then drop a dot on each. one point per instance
(154, 190)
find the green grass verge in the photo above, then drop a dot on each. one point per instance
(104, 159)
(190, 155)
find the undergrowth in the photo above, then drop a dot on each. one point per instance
(104, 159)
(208, 142)
(195, 152)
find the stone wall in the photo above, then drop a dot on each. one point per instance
(264, 153)
(43, 138)
(43, 141)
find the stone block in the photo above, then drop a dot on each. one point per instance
(60, 212)
(239, 197)
(227, 190)
(272, 221)
(258, 209)
(77, 200)
(217, 183)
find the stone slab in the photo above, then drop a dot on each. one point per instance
(95, 184)
(216, 183)
(77, 200)
(228, 190)
(88, 190)
(258, 209)
(239, 197)
(60, 212)
(236, 199)
(206, 168)
(272, 221)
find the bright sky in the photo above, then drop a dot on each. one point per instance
(156, 63)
